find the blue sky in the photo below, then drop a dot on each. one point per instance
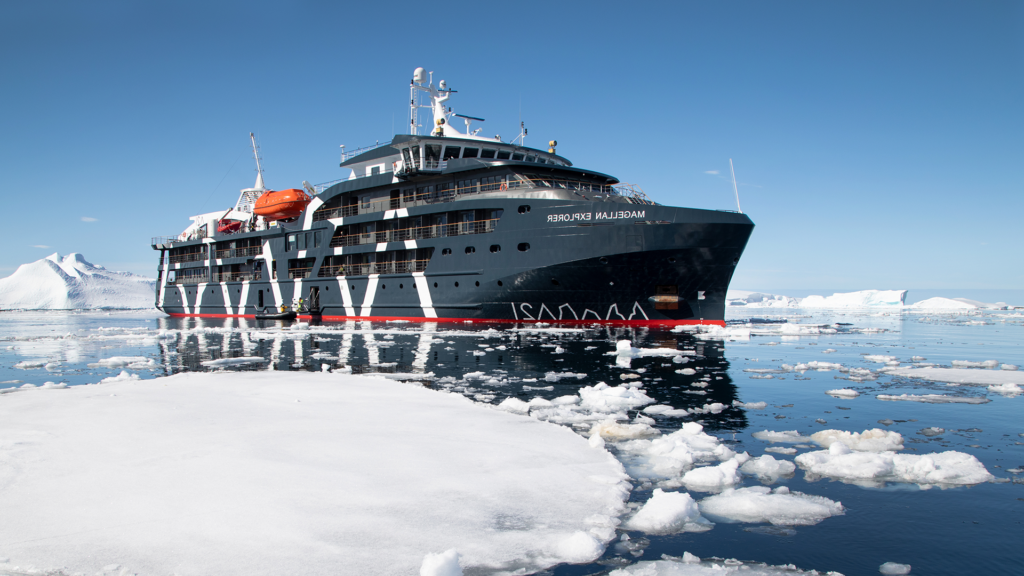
(877, 144)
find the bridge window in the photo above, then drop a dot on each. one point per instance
(451, 152)
(487, 153)
(470, 152)
(517, 156)
(503, 154)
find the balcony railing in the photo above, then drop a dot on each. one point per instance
(398, 267)
(189, 278)
(417, 233)
(236, 276)
(240, 252)
(299, 273)
(191, 257)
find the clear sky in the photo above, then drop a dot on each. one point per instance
(877, 144)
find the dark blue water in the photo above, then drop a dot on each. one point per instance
(963, 530)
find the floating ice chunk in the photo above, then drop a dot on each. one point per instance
(31, 364)
(961, 375)
(690, 565)
(602, 397)
(750, 405)
(666, 513)
(874, 440)
(931, 431)
(894, 568)
(624, 348)
(762, 504)
(1006, 389)
(53, 385)
(686, 371)
(240, 361)
(971, 364)
(556, 376)
(442, 564)
(514, 405)
(935, 398)
(714, 478)
(1008, 367)
(120, 362)
(879, 358)
(672, 454)
(713, 408)
(943, 468)
(767, 468)
(780, 450)
(124, 376)
(843, 393)
(787, 437)
(612, 430)
(578, 548)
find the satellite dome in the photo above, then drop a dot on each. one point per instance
(419, 76)
(444, 85)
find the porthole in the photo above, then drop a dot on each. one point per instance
(211, 291)
(353, 286)
(456, 284)
(524, 209)
(383, 286)
(477, 282)
(524, 246)
(603, 260)
(499, 283)
(495, 248)
(401, 286)
(470, 249)
(435, 284)
(554, 282)
(446, 252)
(671, 260)
(239, 291)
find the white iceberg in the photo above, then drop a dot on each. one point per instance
(762, 504)
(668, 513)
(949, 468)
(56, 283)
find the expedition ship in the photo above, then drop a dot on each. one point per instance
(455, 226)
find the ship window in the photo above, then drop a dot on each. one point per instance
(554, 282)
(316, 239)
(433, 156)
(302, 241)
(525, 209)
(408, 159)
(517, 156)
(446, 252)
(531, 158)
(416, 156)
(487, 153)
(435, 284)
(499, 283)
(495, 248)
(470, 152)
(503, 154)
(477, 282)
(451, 152)
(524, 246)
(374, 170)
(470, 249)
(292, 242)
(541, 160)
(456, 284)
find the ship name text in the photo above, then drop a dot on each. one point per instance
(588, 216)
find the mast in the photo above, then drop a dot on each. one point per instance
(734, 187)
(259, 169)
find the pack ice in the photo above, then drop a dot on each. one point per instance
(299, 472)
(68, 283)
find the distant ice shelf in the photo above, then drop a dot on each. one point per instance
(71, 283)
(862, 299)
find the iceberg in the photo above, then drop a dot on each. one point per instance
(70, 283)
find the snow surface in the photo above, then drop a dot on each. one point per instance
(56, 283)
(839, 300)
(298, 472)
(762, 504)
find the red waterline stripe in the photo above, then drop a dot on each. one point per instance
(482, 320)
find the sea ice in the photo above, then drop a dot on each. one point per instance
(843, 393)
(715, 478)
(934, 398)
(894, 569)
(442, 564)
(861, 299)
(767, 468)
(962, 375)
(228, 471)
(239, 361)
(31, 364)
(874, 440)
(872, 468)
(1006, 389)
(690, 565)
(762, 504)
(787, 437)
(670, 455)
(668, 513)
(121, 362)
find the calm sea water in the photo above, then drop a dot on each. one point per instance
(967, 530)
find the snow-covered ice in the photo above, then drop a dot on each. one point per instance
(762, 504)
(934, 398)
(843, 393)
(962, 375)
(874, 440)
(767, 468)
(786, 437)
(227, 473)
(668, 513)
(690, 565)
(873, 468)
(56, 283)
(894, 569)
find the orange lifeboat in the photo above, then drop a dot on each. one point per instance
(281, 205)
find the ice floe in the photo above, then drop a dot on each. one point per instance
(762, 504)
(874, 440)
(894, 569)
(934, 398)
(767, 468)
(297, 465)
(690, 565)
(843, 393)
(668, 513)
(962, 375)
(875, 468)
(786, 437)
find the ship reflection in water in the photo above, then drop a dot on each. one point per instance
(485, 362)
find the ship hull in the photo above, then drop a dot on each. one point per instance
(564, 262)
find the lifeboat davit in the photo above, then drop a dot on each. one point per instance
(281, 205)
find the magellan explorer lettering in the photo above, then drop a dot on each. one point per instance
(586, 216)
